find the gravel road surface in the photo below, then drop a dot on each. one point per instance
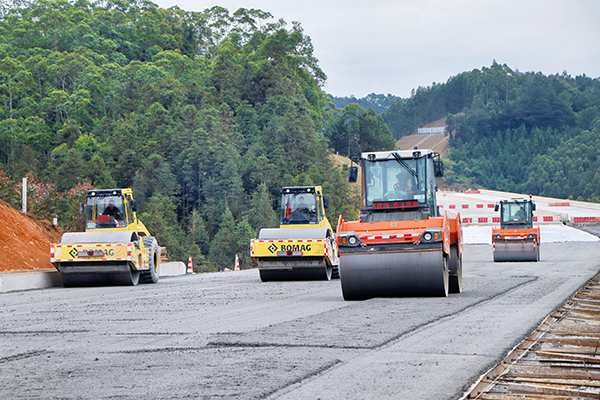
(227, 335)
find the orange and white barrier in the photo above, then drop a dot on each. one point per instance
(453, 206)
(562, 204)
(237, 263)
(496, 220)
(586, 219)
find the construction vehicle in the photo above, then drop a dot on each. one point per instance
(115, 249)
(517, 239)
(401, 245)
(303, 247)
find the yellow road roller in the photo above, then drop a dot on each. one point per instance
(304, 246)
(115, 249)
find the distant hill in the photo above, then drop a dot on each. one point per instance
(376, 102)
(511, 131)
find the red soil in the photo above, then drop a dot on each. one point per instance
(24, 241)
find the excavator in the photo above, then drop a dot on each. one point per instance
(115, 249)
(303, 247)
(401, 244)
(516, 239)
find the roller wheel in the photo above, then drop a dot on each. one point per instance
(151, 276)
(455, 271)
(335, 273)
(538, 252)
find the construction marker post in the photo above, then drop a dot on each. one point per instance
(24, 202)
(190, 268)
(237, 263)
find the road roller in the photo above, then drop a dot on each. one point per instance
(516, 239)
(303, 248)
(115, 249)
(401, 245)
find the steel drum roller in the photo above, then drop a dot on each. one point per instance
(399, 274)
(516, 251)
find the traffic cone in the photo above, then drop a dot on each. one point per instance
(190, 268)
(237, 263)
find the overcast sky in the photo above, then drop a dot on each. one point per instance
(394, 46)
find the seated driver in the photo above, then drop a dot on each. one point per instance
(301, 205)
(404, 184)
(519, 215)
(113, 211)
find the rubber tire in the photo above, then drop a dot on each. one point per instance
(152, 275)
(455, 267)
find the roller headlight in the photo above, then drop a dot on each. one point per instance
(349, 239)
(431, 235)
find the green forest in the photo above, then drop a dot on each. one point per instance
(513, 131)
(206, 115)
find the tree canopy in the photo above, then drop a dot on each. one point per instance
(205, 114)
(513, 131)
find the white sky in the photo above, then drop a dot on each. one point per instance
(394, 46)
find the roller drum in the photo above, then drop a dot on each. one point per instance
(297, 274)
(394, 274)
(293, 233)
(98, 237)
(110, 275)
(516, 251)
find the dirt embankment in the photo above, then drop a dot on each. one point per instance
(24, 241)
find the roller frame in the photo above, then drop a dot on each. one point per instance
(290, 268)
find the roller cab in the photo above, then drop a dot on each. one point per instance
(303, 247)
(401, 245)
(115, 249)
(516, 239)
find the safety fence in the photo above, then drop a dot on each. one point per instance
(494, 220)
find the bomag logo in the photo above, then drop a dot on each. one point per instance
(295, 247)
(107, 252)
(289, 247)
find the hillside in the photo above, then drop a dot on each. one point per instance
(202, 113)
(434, 141)
(24, 241)
(513, 131)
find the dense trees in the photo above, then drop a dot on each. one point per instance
(355, 129)
(205, 114)
(522, 132)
